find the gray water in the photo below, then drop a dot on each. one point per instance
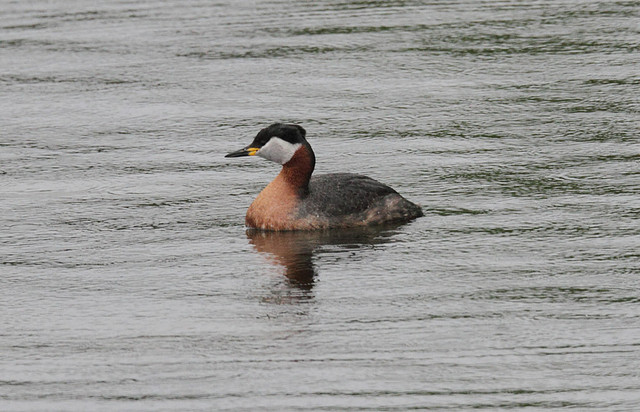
(128, 281)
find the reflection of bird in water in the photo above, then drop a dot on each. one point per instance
(291, 252)
(295, 250)
(295, 200)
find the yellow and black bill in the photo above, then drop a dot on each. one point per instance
(246, 151)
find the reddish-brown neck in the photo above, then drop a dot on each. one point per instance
(297, 171)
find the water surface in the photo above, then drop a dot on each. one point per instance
(128, 281)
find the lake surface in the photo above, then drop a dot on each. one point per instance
(128, 281)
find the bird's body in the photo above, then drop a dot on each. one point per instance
(296, 200)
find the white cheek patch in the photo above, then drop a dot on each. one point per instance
(278, 150)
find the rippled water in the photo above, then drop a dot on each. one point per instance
(128, 281)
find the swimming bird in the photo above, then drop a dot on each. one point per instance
(296, 200)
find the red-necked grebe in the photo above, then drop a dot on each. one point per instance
(295, 200)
